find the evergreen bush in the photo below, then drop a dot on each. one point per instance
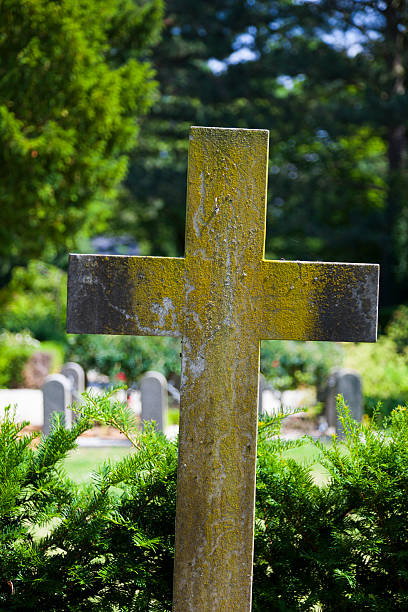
(109, 545)
(341, 546)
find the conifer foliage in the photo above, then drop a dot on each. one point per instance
(109, 545)
(341, 546)
(106, 546)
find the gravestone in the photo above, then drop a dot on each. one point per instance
(57, 397)
(348, 384)
(153, 389)
(222, 298)
(76, 375)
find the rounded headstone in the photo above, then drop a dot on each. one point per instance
(347, 383)
(57, 396)
(153, 388)
(75, 373)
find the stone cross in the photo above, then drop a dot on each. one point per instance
(153, 391)
(222, 298)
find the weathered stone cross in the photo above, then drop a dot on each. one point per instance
(222, 298)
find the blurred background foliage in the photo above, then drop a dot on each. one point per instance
(328, 79)
(131, 355)
(384, 365)
(96, 101)
(74, 82)
(37, 301)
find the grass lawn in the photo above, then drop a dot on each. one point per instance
(81, 462)
(309, 454)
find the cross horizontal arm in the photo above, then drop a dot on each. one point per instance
(318, 301)
(114, 294)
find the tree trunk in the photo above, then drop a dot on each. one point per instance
(391, 289)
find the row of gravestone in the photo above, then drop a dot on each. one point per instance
(60, 390)
(340, 381)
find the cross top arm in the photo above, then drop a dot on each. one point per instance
(293, 300)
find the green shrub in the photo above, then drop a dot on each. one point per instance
(397, 329)
(288, 364)
(15, 350)
(384, 373)
(129, 354)
(35, 300)
(342, 546)
(109, 545)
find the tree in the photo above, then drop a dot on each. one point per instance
(327, 79)
(380, 30)
(74, 82)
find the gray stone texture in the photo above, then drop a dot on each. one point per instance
(76, 375)
(348, 384)
(57, 394)
(154, 399)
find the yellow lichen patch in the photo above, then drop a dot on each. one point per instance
(287, 309)
(156, 285)
(317, 301)
(216, 478)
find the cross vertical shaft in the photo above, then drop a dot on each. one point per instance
(226, 205)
